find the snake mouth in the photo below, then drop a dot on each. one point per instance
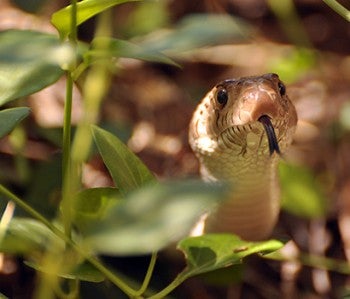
(270, 132)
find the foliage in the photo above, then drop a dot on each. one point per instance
(302, 194)
(139, 215)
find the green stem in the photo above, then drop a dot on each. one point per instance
(67, 130)
(26, 207)
(148, 275)
(172, 286)
(73, 22)
(82, 251)
(338, 8)
(66, 159)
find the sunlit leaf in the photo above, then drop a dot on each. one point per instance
(24, 235)
(29, 61)
(197, 31)
(121, 48)
(294, 64)
(127, 170)
(152, 217)
(84, 271)
(214, 251)
(91, 205)
(85, 10)
(9, 118)
(302, 195)
(2, 296)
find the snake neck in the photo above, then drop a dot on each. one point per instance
(252, 206)
(237, 132)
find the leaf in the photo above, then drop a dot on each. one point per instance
(121, 48)
(91, 205)
(29, 61)
(197, 31)
(126, 169)
(302, 195)
(153, 217)
(9, 118)
(84, 271)
(24, 235)
(85, 10)
(214, 251)
(2, 296)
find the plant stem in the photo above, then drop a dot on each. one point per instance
(66, 160)
(148, 275)
(338, 8)
(26, 207)
(68, 181)
(172, 286)
(94, 89)
(82, 251)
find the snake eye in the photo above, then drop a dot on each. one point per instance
(281, 88)
(222, 96)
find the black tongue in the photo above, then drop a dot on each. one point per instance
(270, 132)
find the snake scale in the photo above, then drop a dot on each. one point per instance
(239, 131)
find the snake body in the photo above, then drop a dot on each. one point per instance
(239, 132)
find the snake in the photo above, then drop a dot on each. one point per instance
(239, 132)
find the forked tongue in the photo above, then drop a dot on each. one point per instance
(270, 132)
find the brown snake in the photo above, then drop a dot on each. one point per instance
(239, 132)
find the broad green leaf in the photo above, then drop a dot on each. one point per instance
(91, 205)
(9, 118)
(153, 217)
(302, 195)
(126, 169)
(85, 10)
(197, 31)
(214, 251)
(84, 271)
(24, 235)
(121, 48)
(29, 61)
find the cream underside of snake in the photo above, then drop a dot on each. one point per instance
(232, 145)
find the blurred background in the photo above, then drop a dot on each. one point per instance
(149, 106)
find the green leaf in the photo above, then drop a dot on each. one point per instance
(302, 194)
(294, 64)
(2, 296)
(85, 10)
(9, 118)
(126, 169)
(24, 235)
(91, 205)
(214, 251)
(121, 48)
(29, 61)
(153, 217)
(84, 271)
(197, 31)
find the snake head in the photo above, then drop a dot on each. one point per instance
(238, 132)
(247, 114)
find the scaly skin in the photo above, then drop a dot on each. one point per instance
(232, 145)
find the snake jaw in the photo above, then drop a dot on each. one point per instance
(270, 132)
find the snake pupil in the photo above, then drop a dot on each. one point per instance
(281, 88)
(222, 96)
